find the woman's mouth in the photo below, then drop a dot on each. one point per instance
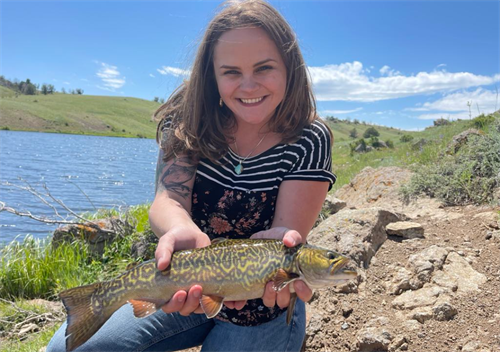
(253, 101)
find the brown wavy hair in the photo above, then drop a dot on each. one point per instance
(199, 124)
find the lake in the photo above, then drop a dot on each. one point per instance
(84, 172)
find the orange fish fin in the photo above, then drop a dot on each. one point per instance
(282, 278)
(143, 308)
(218, 240)
(211, 305)
(85, 317)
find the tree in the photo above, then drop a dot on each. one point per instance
(63, 91)
(353, 133)
(44, 89)
(51, 89)
(371, 132)
(79, 91)
(156, 99)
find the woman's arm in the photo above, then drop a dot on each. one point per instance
(171, 221)
(297, 208)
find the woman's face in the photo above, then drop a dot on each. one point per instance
(250, 74)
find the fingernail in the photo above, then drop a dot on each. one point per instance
(196, 294)
(180, 298)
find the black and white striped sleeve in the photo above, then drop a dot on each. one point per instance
(314, 151)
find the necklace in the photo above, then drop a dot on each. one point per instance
(239, 168)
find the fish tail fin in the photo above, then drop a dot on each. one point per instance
(86, 313)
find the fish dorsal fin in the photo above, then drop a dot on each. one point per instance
(282, 278)
(211, 305)
(218, 240)
(142, 308)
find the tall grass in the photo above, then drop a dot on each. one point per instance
(35, 269)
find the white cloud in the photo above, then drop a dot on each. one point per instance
(84, 79)
(350, 82)
(151, 75)
(110, 77)
(174, 71)
(444, 115)
(387, 71)
(67, 83)
(486, 100)
(339, 112)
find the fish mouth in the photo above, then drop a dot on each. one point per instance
(338, 265)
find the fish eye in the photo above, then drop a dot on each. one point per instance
(331, 255)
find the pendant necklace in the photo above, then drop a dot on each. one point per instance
(239, 168)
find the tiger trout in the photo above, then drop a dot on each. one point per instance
(226, 270)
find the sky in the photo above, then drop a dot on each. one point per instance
(401, 63)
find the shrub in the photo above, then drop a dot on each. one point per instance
(482, 121)
(406, 138)
(468, 177)
(441, 122)
(390, 144)
(371, 132)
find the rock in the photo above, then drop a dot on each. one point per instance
(400, 282)
(474, 346)
(405, 229)
(357, 233)
(333, 205)
(373, 339)
(374, 186)
(145, 246)
(460, 140)
(422, 314)
(458, 272)
(424, 263)
(97, 234)
(444, 311)
(425, 296)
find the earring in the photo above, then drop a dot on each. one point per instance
(221, 103)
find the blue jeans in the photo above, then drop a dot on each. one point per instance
(173, 332)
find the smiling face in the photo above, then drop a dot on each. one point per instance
(250, 75)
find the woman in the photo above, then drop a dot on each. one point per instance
(243, 154)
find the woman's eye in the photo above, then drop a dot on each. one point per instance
(265, 68)
(231, 72)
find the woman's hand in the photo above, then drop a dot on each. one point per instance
(291, 238)
(178, 238)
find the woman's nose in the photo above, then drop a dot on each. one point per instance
(249, 84)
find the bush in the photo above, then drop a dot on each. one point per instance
(441, 122)
(406, 138)
(468, 177)
(390, 144)
(371, 132)
(482, 121)
(375, 143)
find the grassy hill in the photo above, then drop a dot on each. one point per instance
(78, 114)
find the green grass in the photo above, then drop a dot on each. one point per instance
(33, 343)
(78, 114)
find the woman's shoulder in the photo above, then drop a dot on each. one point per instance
(316, 133)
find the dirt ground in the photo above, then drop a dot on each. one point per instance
(476, 326)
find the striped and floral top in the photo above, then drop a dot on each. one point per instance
(231, 205)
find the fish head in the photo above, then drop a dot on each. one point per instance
(322, 267)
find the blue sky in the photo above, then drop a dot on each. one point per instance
(393, 63)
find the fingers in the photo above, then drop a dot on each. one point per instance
(283, 297)
(302, 290)
(269, 297)
(176, 302)
(192, 302)
(164, 252)
(185, 303)
(235, 304)
(292, 238)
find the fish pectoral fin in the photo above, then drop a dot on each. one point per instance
(218, 240)
(282, 278)
(211, 305)
(291, 308)
(143, 308)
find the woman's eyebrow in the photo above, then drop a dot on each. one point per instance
(257, 64)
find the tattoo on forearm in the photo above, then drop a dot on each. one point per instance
(174, 175)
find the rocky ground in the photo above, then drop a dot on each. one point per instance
(434, 286)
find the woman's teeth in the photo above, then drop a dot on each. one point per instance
(252, 101)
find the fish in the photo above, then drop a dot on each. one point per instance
(227, 270)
